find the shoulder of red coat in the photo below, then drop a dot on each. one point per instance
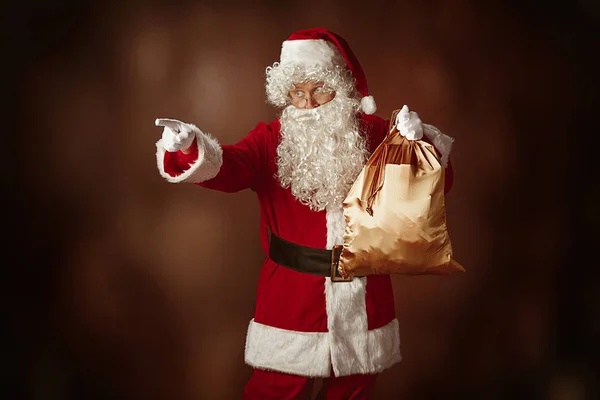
(267, 131)
(372, 121)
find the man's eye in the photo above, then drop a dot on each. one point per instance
(319, 89)
(299, 93)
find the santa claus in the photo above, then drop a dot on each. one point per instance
(307, 323)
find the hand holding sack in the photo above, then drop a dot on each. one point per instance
(409, 124)
(395, 214)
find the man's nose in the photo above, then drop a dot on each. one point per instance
(310, 103)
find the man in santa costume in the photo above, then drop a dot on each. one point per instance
(307, 323)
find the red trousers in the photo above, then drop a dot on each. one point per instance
(269, 385)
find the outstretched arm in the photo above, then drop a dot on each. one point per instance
(199, 158)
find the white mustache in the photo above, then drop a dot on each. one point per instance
(304, 115)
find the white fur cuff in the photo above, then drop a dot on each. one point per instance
(207, 166)
(443, 143)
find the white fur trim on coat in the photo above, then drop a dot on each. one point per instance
(309, 353)
(207, 166)
(354, 349)
(292, 352)
(348, 347)
(311, 52)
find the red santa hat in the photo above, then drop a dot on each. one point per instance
(319, 46)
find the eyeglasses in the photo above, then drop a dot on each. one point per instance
(306, 97)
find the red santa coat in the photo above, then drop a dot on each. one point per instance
(303, 324)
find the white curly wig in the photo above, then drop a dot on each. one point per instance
(280, 79)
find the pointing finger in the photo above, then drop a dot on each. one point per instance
(168, 123)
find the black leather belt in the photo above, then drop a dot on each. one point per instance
(308, 260)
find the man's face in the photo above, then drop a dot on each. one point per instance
(310, 94)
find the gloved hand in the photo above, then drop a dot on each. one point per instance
(176, 135)
(409, 124)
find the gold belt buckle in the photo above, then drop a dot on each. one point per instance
(335, 262)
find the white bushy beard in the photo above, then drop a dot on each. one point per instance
(321, 152)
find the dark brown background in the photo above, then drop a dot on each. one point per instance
(122, 286)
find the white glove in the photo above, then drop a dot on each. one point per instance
(176, 135)
(409, 124)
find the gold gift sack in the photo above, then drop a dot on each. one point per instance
(395, 214)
